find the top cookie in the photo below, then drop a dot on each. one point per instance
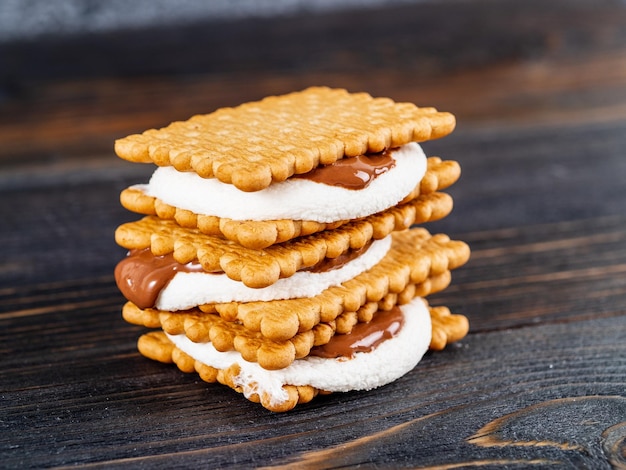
(255, 144)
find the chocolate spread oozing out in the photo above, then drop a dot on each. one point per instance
(353, 172)
(141, 276)
(364, 337)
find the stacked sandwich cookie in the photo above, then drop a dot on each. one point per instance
(276, 255)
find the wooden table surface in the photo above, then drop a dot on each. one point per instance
(539, 91)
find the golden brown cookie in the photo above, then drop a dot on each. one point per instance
(447, 327)
(261, 234)
(261, 268)
(255, 144)
(228, 336)
(156, 346)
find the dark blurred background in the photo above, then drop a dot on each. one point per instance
(76, 74)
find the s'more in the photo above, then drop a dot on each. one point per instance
(281, 247)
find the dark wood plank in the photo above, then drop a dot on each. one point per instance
(90, 398)
(410, 35)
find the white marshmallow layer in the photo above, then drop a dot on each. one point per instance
(389, 361)
(295, 198)
(187, 290)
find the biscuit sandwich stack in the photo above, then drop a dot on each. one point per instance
(279, 252)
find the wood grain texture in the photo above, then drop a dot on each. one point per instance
(103, 403)
(540, 381)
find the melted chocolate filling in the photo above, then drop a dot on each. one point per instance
(352, 172)
(364, 337)
(141, 276)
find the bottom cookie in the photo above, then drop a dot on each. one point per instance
(282, 390)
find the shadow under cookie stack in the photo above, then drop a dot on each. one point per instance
(278, 252)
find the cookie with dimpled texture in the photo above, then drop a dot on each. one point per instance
(261, 234)
(416, 265)
(292, 134)
(261, 268)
